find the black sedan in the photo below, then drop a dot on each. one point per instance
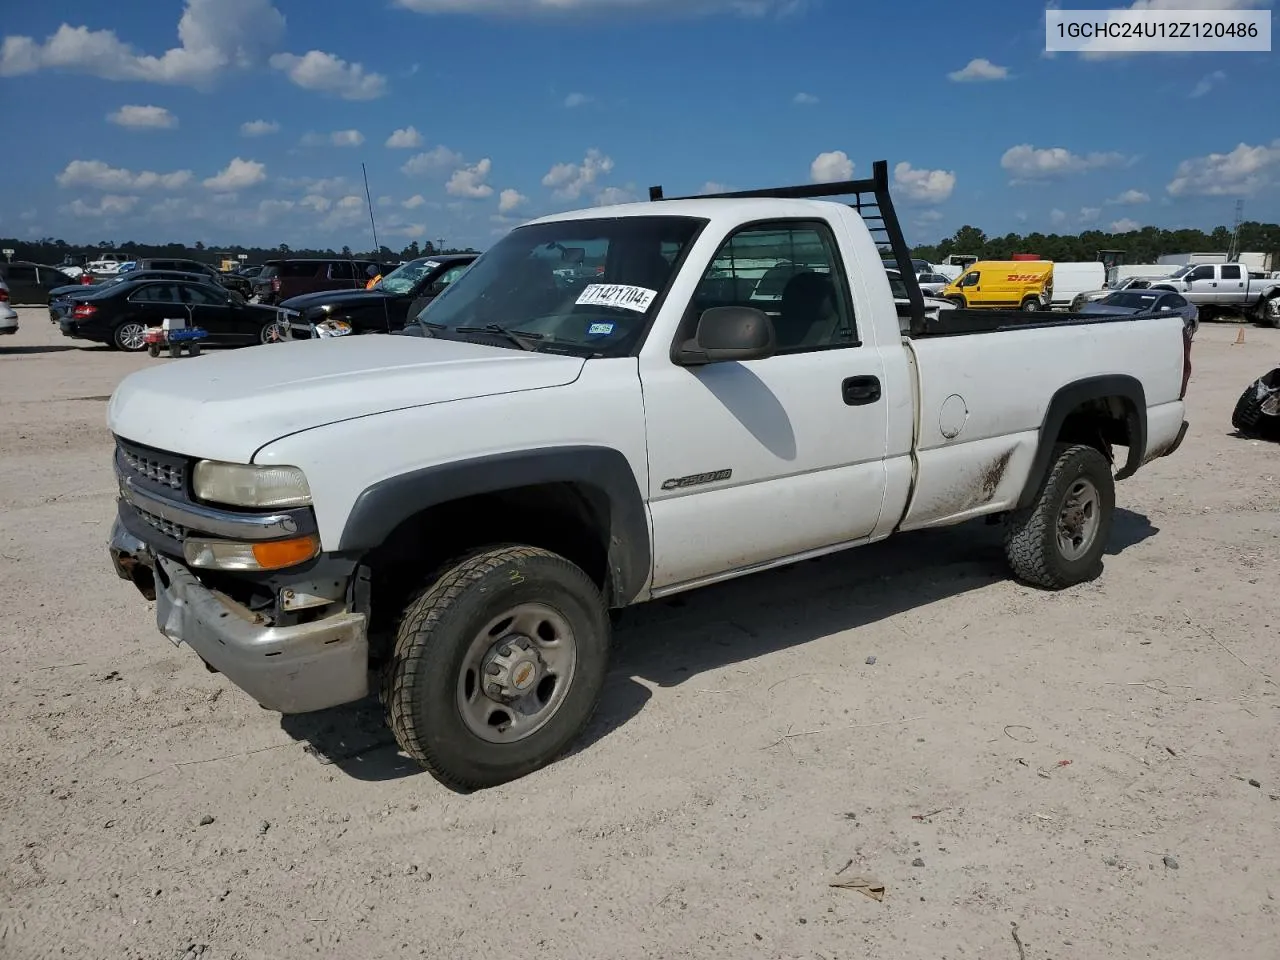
(119, 315)
(397, 299)
(62, 300)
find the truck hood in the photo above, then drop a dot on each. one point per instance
(336, 298)
(226, 406)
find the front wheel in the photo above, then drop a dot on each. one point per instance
(1031, 305)
(498, 666)
(271, 333)
(130, 336)
(1059, 540)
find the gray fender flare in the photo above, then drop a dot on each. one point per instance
(382, 507)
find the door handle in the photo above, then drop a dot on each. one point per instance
(858, 391)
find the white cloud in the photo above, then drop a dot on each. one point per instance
(143, 118)
(432, 161)
(270, 208)
(214, 35)
(510, 200)
(830, 167)
(804, 99)
(1242, 172)
(1125, 225)
(568, 181)
(109, 204)
(1057, 217)
(1129, 198)
(313, 201)
(323, 72)
(237, 175)
(414, 202)
(404, 139)
(1090, 214)
(1207, 83)
(611, 195)
(346, 138)
(743, 8)
(1025, 163)
(713, 186)
(978, 69)
(96, 174)
(926, 186)
(576, 100)
(258, 128)
(324, 186)
(469, 181)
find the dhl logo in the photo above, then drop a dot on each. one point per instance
(1024, 277)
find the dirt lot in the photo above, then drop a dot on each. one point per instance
(1085, 765)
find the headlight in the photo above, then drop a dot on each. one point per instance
(246, 485)
(264, 555)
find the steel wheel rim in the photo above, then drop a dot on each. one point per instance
(132, 336)
(1079, 519)
(517, 673)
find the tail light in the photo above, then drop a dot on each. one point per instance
(1186, 360)
(275, 284)
(86, 279)
(4, 296)
(84, 311)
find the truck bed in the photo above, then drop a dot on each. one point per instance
(963, 322)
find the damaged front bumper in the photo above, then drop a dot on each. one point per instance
(288, 668)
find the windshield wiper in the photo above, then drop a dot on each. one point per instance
(518, 338)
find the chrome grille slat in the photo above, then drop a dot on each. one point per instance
(158, 467)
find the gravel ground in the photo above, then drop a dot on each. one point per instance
(1097, 766)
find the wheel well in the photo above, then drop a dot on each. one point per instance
(566, 518)
(1100, 423)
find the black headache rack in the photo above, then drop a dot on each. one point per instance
(872, 201)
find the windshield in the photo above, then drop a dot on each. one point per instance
(405, 278)
(587, 287)
(1136, 300)
(1181, 272)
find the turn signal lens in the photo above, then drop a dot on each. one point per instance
(266, 555)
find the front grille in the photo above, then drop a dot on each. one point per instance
(156, 466)
(174, 531)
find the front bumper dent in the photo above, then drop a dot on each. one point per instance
(293, 669)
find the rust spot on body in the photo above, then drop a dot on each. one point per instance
(992, 474)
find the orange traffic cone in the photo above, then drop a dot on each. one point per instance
(1239, 338)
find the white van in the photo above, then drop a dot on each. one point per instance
(1071, 279)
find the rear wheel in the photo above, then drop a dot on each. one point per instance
(153, 349)
(498, 666)
(1059, 540)
(130, 336)
(1031, 304)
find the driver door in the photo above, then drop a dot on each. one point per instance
(752, 462)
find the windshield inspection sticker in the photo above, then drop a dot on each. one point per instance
(600, 329)
(619, 295)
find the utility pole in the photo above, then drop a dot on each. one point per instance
(1233, 251)
(439, 244)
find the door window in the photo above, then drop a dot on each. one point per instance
(790, 270)
(1230, 271)
(22, 274)
(446, 278)
(199, 296)
(1203, 272)
(341, 270)
(156, 293)
(971, 279)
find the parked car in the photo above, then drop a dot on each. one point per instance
(282, 280)
(1128, 283)
(107, 264)
(1133, 302)
(1003, 284)
(248, 271)
(1073, 278)
(8, 316)
(63, 299)
(29, 283)
(902, 300)
(396, 300)
(232, 282)
(1257, 412)
(932, 284)
(457, 513)
(1228, 288)
(120, 314)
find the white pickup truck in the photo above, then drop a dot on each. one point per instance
(450, 517)
(1227, 288)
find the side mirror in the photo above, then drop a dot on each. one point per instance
(729, 334)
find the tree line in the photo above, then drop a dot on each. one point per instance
(52, 251)
(1140, 246)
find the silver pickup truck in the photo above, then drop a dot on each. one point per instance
(1227, 288)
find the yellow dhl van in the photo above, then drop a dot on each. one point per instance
(1003, 284)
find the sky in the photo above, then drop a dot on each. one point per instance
(246, 121)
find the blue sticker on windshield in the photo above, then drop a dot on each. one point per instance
(600, 329)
